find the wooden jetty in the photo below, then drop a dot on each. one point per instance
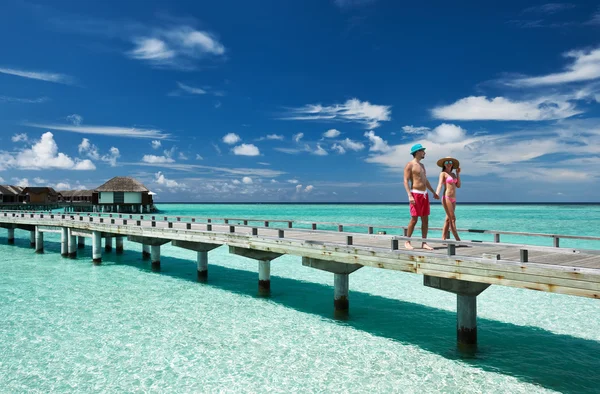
(465, 268)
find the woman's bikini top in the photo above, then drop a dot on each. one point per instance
(449, 179)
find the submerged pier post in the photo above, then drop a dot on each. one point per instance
(145, 251)
(108, 243)
(39, 240)
(340, 293)
(96, 247)
(80, 242)
(119, 244)
(155, 256)
(466, 307)
(72, 244)
(11, 236)
(264, 277)
(202, 260)
(32, 239)
(64, 242)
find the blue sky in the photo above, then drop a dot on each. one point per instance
(314, 100)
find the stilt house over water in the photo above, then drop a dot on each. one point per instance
(122, 194)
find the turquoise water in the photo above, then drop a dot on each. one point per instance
(69, 326)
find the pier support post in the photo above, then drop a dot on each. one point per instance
(32, 239)
(145, 251)
(202, 260)
(72, 244)
(64, 242)
(341, 281)
(155, 256)
(11, 236)
(264, 266)
(264, 277)
(39, 240)
(108, 244)
(340, 292)
(119, 244)
(96, 247)
(202, 250)
(466, 306)
(80, 242)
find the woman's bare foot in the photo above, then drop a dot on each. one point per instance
(427, 247)
(408, 246)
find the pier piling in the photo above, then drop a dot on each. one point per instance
(119, 244)
(39, 240)
(155, 256)
(96, 247)
(80, 242)
(264, 277)
(108, 243)
(72, 245)
(145, 251)
(32, 239)
(202, 260)
(11, 236)
(340, 297)
(64, 242)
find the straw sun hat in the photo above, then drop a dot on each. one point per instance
(455, 163)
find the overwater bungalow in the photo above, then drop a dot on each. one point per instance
(39, 195)
(123, 194)
(11, 194)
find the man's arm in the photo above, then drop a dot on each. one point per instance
(407, 177)
(435, 195)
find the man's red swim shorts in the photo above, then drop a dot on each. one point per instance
(421, 205)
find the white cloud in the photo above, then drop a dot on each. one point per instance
(156, 144)
(338, 148)
(131, 132)
(294, 181)
(414, 130)
(153, 159)
(352, 145)
(88, 149)
(274, 137)
(446, 133)
(585, 67)
(246, 150)
(160, 179)
(77, 120)
(378, 144)
(298, 188)
(500, 108)
(298, 137)
(352, 110)
(178, 47)
(62, 186)
(112, 156)
(190, 89)
(331, 133)
(182, 156)
(1, 180)
(39, 181)
(43, 154)
(309, 188)
(19, 138)
(23, 182)
(320, 151)
(247, 180)
(7, 99)
(236, 182)
(231, 138)
(40, 75)
(198, 157)
(289, 151)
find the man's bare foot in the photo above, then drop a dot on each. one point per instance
(408, 246)
(427, 247)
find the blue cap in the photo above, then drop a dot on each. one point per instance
(416, 147)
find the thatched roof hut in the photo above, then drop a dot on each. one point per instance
(122, 184)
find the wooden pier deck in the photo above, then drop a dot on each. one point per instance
(465, 268)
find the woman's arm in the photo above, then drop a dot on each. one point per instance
(440, 183)
(458, 177)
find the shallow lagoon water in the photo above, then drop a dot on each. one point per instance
(69, 326)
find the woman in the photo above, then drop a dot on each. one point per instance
(452, 182)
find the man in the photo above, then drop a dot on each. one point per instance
(415, 175)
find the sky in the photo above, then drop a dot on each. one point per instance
(301, 101)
